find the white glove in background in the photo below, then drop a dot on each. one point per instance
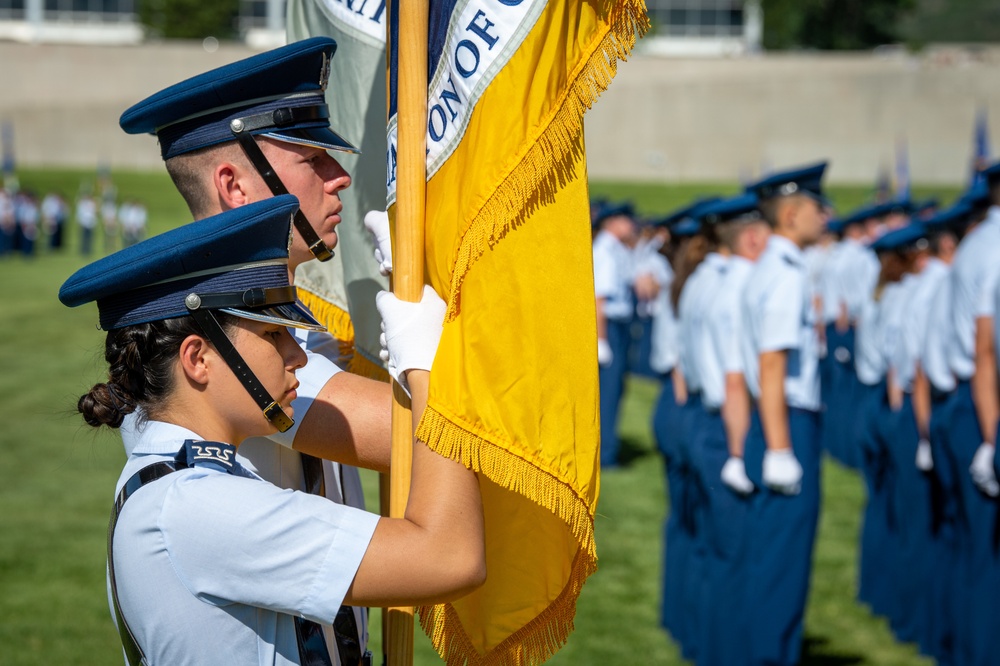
(981, 469)
(410, 332)
(782, 472)
(377, 224)
(734, 475)
(604, 353)
(925, 460)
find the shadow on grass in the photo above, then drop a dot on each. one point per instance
(631, 449)
(813, 654)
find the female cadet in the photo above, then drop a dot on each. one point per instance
(195, 574)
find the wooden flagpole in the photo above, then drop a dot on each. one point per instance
(408, 265)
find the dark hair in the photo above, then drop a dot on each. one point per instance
(693, 253)
(140, 369)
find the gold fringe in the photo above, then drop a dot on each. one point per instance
(548, 161)
(362, 365)
(509, 471)
(336, 320)
(542, 637)
(533, 643)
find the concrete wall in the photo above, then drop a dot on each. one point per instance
(662, 120)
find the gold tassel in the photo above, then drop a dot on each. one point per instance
(336, 320)
(545, 634)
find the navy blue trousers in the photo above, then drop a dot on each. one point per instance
(668, 429)
(612, 384)
(944, 604)
(723, 635)
(875, 551)
(910, 501)
(977, 574)
(841, 396)
(780, 546)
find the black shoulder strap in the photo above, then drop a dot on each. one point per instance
(308, 634)
(133, 653)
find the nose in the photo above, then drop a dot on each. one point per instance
(335, 177)
(291, 352)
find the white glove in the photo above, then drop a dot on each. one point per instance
(734, 475)
(377, 224)
(604, 354)
(782, 472)
(410, 332)
(925, 460)
(981, 469)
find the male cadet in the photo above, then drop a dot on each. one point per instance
(972, 434)
(242, 133)
(933, 390)
(902, 253)
(613, 275)
(782, 447)
(851, 276)
(742, 235)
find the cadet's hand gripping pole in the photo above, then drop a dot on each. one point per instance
(408, 266)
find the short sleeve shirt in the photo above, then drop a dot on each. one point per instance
(974, 277)
(213, 568)
(700, 289)
(613, 276)
(777, 316)
(725, 329)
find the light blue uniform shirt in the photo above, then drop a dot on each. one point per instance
(932, 309)
(973, 278)
(827, 282)
(665, 344)
(898, 335)
(212, 568)
(613, 276)
(856, 276)
(869, 356)
(777, 315)
(701, 288)
(725, 330)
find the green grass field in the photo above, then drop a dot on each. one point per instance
(57, 478)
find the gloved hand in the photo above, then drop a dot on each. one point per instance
(604, 353)
(377, 224)
(782, 472)
(410, 332)
(925, 460)
(734, 475)
(981, 469)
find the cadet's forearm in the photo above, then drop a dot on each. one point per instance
(984, 380)
(736, 413)
(772, 406)
(602, 320)
(922, 403)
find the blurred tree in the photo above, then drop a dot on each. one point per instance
(954, 21)
(833, 24)
(189, 19)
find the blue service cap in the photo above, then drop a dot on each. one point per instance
(978, 195)
(900, 239)
(921, 207)
(741, 207)
(991, 174)
(803, 180)
(875, 211)
(278, 94)
(677, 216)
(612, 209)
(235, 262)
(953, 216)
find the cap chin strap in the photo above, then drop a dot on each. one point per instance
(241, 131)
(213, 330)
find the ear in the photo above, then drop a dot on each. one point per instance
(193, 352)
(232, 185)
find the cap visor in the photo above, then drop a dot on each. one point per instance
(293, 315)
(320, 137)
